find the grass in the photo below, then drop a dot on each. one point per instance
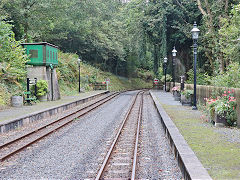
(220, 157)
(68, 77)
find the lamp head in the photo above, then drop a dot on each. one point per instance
(79, 60)
(195, 31)
(165, 60)
(174, 52)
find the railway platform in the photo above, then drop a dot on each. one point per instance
(188, 162)
(13, 117)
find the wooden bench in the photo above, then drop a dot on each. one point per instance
(100, 86)
(28, 98)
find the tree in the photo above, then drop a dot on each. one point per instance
(213, 12)
(12, 55)
(229, 38)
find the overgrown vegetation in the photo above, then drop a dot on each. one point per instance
(42, 87)
(12, 63)
(68, 76)
(127, 39)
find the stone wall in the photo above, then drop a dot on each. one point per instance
(44, 73)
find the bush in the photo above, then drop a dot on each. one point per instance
(12, 55)
(202, 78)
(230, 78)
(168, 78)
(42, 88)
(187, 93)
(224, 105)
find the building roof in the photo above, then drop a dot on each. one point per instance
(40, 43)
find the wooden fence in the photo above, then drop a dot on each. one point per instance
(206, 92)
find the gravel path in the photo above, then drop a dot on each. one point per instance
(76, 151)
(156, 160)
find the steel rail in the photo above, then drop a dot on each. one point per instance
(42, 127)
(107, 158)
(134, 165)
(69, 118)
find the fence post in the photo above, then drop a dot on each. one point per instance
(237, 93)
(28, 89)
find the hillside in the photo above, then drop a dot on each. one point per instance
(67, 73)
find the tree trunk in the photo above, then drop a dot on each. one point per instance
(156, 59)
(210, 60)
(222, 67)
(26, 28)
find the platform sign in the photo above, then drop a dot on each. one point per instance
(107, 82)
(33, 81)
(156, 81)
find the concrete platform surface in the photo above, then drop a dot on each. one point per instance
(14, 113)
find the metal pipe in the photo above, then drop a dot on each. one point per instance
(79, 79)
(165, 71)
(173, 71)
(52, 82)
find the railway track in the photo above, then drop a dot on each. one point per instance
(17, 144)
(121, 159)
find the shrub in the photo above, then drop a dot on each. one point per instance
(224, 105)
(42, 88)
(187, 93)
(12, 55)
(230, 78)
(168, 78)
(202, 77)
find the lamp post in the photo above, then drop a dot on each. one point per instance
(195, 32)
(174, 54)
(79, 84)
(165, 72)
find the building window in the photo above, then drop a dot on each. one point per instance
(33, 53)
(51, 55)
(47, 54)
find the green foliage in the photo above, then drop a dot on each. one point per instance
(12, 55)
(229, 35)
(92, 79)
(145, 74)
(210, 105)
(4, 95)
(187, 93)
(168, 78)
(230, 78)
(68, 77)
(210, 145)
(202, 78)
(225, 106)
(124, 37)
(67, 67)
(42, 87)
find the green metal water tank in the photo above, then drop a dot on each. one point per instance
(41, 54)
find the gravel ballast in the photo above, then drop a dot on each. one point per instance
(76, 151)
(156, 160)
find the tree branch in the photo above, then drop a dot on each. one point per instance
(226, 7)
(201, 8)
